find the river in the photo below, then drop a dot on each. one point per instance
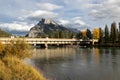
(78, 63)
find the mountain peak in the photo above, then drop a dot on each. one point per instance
(46, 27)
(47, 21)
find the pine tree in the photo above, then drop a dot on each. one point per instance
(89, 34)
(119, 37)
(79, 35)
(113, 35)
(101, 35)
(106, 34)
(119, 33)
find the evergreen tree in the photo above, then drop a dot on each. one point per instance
(89, 34)
(106, 34)
(79, 35)
(60, 33)
(113, 35)
(51, 35)
(100, 35)
(119, 26)
(67, 34)
(117, 35)
(71, 35)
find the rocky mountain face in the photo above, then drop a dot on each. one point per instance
(47, 27)
(4, 34)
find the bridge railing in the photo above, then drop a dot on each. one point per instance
(42, 40)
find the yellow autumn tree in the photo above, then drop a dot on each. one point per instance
(96, 33)
(84, 33)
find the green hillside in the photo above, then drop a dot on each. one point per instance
(4, 34)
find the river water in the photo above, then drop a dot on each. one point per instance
(78, 63)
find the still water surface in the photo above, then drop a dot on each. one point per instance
(78, 63)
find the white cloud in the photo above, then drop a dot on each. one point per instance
(75, 22)
(48, 6)
(80, 24)
(89, 5)
(98, 14)
(78, 21)
(38, 14)
(64, 22)
(78, 4)
(16, 26)
(109, 9)
(77, 18)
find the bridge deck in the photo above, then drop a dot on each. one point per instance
(44, 40)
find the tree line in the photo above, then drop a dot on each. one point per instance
(107, 35)
(59, 34)
(110, 34)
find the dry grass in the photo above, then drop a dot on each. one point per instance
(11, 68)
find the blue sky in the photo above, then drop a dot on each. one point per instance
(18, 16)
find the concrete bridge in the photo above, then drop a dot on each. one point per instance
(47, 41)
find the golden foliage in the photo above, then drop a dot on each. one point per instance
(96, 33)
(84, 33)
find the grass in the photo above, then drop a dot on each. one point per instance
(14, 69)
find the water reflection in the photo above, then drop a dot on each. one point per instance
(79, 63)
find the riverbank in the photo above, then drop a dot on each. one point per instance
(107, 45)
(12, 66)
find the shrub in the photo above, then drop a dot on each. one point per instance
(11, 65)
(20, 49)
(2, 47)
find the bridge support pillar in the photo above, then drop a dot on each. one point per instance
(71, 44)
(93, 42)
(57, 44)
(34, 45)
(46, 45)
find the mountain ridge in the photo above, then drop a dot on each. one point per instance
(47, 27)
(4, 34)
